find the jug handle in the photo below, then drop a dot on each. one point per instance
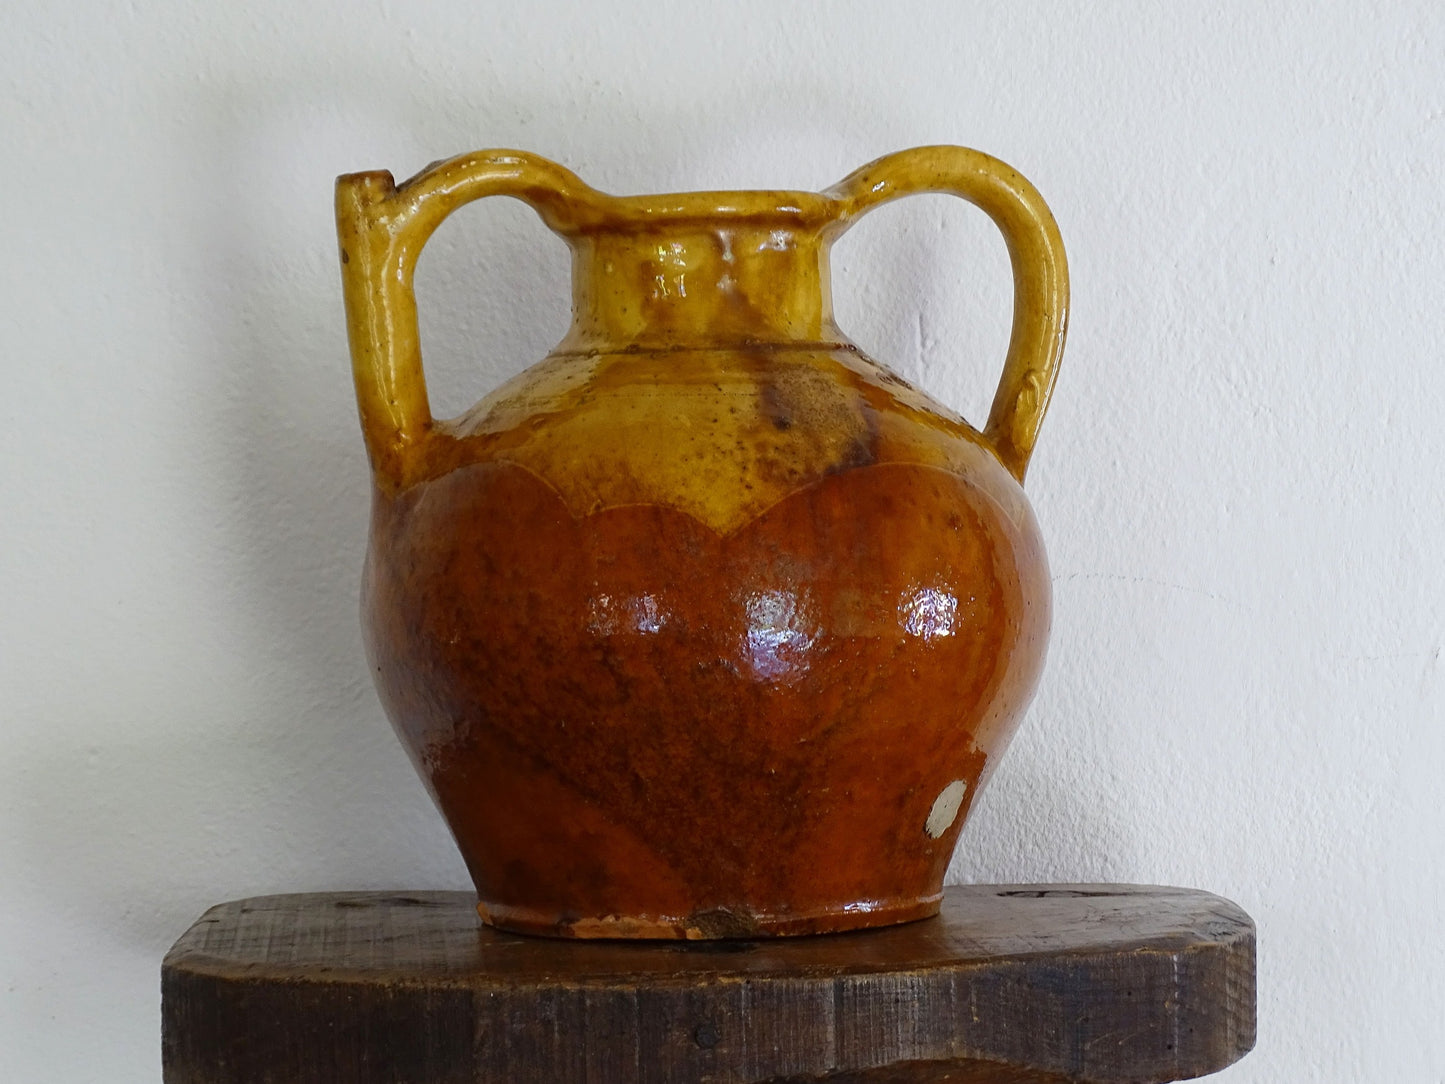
(1036, 254)
(382, 228)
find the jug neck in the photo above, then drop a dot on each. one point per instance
(698, 285)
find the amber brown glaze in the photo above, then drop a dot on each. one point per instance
(707, 625)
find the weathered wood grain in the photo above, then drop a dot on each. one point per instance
(1009, 984)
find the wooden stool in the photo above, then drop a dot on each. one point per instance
(1009, 984)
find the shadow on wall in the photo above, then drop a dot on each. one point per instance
(294, 781)
(1047, 817)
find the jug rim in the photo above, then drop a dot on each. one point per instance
(794, 208)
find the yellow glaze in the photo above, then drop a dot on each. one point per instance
(659, 273)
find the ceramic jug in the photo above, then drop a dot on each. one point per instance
(707, 625)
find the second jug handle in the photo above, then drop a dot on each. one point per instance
(382, 228)
(1040, 273)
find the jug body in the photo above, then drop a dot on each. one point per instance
(707, 625)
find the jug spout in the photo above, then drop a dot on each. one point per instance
(700, 284)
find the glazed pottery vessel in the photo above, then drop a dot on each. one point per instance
(707, 625)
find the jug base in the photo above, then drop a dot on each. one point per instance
(719, 923)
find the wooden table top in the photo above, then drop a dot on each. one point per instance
(1040, 983)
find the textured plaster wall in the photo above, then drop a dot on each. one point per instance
(1240, 481)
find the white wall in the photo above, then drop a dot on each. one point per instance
(1240, 481)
